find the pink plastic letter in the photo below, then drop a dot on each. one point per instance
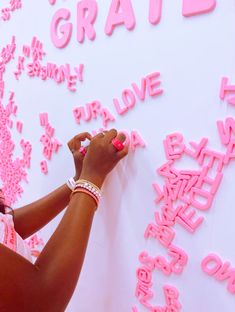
(126, 16)
(66, 29)
(86, 16)
(194, 7)
(155, 11)
(212, 269)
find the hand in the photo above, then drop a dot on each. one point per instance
(102, 157)
(74, 145)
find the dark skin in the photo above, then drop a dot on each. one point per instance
(49, 283)
(31, 218)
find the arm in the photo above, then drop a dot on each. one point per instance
(31, 218)
(48, 284)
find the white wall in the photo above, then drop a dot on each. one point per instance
(192, 55)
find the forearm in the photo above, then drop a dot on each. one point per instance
(61, 260)
(48, 284)
(31, 218)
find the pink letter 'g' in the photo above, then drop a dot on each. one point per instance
(65, 30)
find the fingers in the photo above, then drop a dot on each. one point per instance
(123, 152)
(121, 137)
(110, 135)
(71, 145)
(83, 136)
(75, 143)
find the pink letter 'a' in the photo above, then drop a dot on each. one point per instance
(121, 12)
(65, 30)
(194, 7)
(86, 16)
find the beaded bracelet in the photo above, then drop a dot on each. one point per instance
(71, 183)
(89, 186)
(82, 190)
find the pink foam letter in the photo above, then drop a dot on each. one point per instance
(194, 7)
(126, 16)
(65, 30)
(86, 16)
(155, 11)
(212, 269)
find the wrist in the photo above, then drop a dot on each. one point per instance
(97, 180)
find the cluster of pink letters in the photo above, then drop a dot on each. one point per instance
(183, 195)
(120, 13)
(50, 143)
(35, 53)
(12, 171)
(12, 6)
(149, 84)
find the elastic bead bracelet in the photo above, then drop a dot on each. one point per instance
(89, 186)
(71, 183)
(82, 190)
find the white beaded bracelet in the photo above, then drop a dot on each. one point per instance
(71, 183)
(90, 187)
